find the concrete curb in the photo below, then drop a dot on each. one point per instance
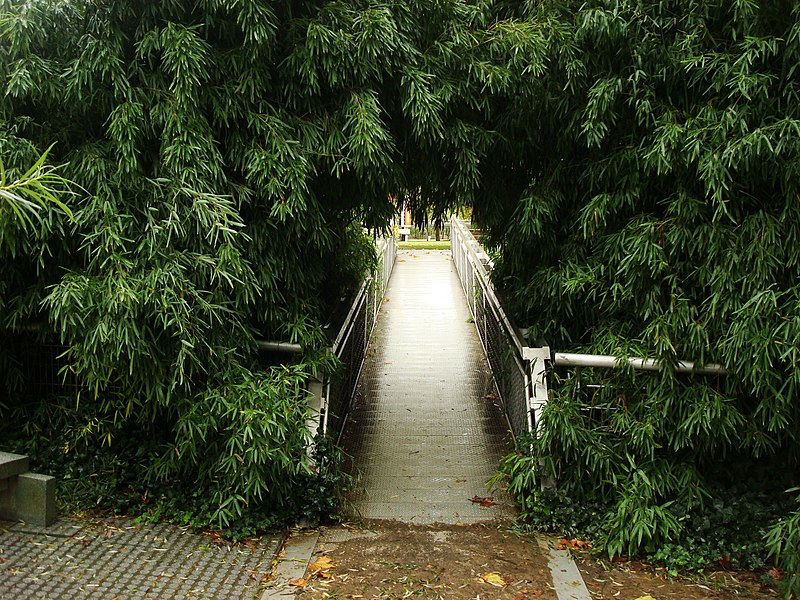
(567, 580)
(292, 562)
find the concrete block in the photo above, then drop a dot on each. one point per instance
(30, 497)
(13, 464)
(36, 499)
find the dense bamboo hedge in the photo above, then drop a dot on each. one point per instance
(634, 164)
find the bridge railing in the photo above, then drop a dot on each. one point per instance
(336, 390)
(519, 369)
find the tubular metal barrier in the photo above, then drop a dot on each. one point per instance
(350, 345)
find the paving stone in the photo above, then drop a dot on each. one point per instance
(117, 558)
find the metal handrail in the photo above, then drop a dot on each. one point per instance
(643, 364)
(474, 266)
(361, 308)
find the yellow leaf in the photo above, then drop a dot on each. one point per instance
(648, 597)
(494, 579)
(323, 563)
(300, 583)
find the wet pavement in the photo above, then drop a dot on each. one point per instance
(425, 432)
(118, 558)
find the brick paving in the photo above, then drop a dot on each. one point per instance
(425, 431)
(117, 558)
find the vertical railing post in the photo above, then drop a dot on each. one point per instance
(316, 401)
(536, 358)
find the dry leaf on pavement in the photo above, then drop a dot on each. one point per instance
(323, 563)
(484, 502)
(493, 578)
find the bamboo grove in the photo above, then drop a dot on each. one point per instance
(633, 165)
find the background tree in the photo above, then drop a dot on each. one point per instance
(634, 165)
(230, 153)
(652, 211)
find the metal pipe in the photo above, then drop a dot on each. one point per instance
(481, 266)
(286, 347)
(645, 364)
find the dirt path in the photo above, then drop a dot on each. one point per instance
(634, 580)
(387, 559)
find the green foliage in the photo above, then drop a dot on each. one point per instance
(39, 185)
(282, 485)
(633, 164)
(645, 204)
(725, 530)
(783, 540)
(228, 155)
(243, 442)
(323, 496)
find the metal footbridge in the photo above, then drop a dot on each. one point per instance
(437, 385)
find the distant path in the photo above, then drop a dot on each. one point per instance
(425, 432)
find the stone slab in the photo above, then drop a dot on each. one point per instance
(35, 499)
(291, 564)
(13, 464)
(567, 579)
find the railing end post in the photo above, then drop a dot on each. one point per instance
(536, 353)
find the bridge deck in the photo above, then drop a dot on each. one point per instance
(425, 431)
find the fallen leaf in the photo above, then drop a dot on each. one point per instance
(575, 544)
(299, 583)
(619, 558)
(485, 502)
(493, 578)
(490, 397)
(774, 573)
(323, 563)
(648, 597)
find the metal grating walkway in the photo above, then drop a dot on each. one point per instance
(425, 431)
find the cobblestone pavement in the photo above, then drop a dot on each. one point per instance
(117, 558)
(425, 431)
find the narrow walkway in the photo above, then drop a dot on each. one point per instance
(425, 431)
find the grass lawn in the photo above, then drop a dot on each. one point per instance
(424, 245)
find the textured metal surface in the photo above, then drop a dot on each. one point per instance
(351, 343)
(504, 347)
(425, 432)
(121, 559)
